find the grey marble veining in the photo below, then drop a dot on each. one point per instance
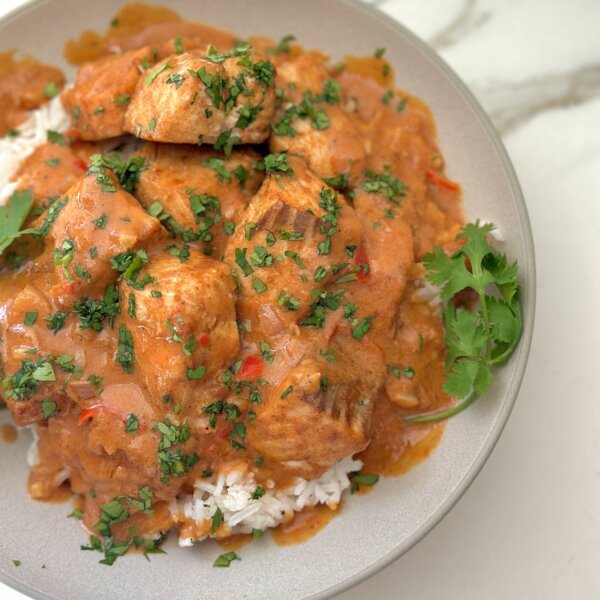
(563, 77)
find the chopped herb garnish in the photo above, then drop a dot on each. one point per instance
(124, 354)
(197, 373)
(399, 372)
(176, 79)
(361, 329)
(339, 183)
(402, 104)
(127, 171)
(132, 424)
(24, 383)
(362, 479)
(295, 257)
(259, 286)
(174, 463)
(101, 221)
(56, 321)
(283, 45)
(386, 184)
(277, 163)
(260, 257)
(226, 559)
(387, 97)
(328, 355)
(150, 78)
(49, 409)
(54, 137)
(288, 390)
(91, 313)
(51, 216)
(216, 520)
(30, 318)
(259, 492)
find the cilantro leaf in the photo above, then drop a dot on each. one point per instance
(12, 217)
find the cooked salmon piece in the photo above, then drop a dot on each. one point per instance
(389, 252)
(182, 322)
(49, 171)
(198, 97)
(30, 376)
(102, 92)
(296, 232)
(321, 412)
(97, 224)
(200, 194)
(310, 121)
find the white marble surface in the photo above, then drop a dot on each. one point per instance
(529, 527)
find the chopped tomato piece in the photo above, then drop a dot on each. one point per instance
(62, 289)
(80, 164)
(90, 413)
(432, 176)
(252, 367)
(203, 339)
(361, 260)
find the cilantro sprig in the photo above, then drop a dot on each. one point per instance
(479, 339)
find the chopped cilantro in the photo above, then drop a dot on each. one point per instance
(226, 559)
(30, 318)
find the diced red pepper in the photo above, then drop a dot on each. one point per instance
(62, 289)
(361, 259)
(90, 413)
(436, 179)
(203, 339)
(252, 367)
(80, 164)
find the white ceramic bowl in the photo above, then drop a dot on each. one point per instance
(372, 530)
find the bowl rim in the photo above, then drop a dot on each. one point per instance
(524, 346)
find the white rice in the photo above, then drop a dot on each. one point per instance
(232, 489)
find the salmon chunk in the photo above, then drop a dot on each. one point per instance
(195, 98)
(102, 92)
(182, 321)
(310, 121)
(321, 412)
(49, 171)
(97, 223)
(197, 193)
(296, 236)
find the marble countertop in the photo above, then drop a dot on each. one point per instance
(529, 527)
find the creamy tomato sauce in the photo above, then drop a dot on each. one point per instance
(147, 365)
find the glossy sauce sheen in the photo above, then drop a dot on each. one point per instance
(305, 525)
(100, 455)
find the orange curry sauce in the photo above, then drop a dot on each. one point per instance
(88, 433)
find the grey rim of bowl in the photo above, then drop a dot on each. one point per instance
(524, 344)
